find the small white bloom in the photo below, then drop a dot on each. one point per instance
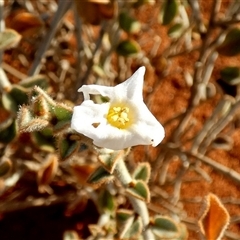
(122, 122)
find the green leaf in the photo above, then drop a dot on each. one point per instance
(109, 159)
(142, 172)
(128, 24)
(165, 228)
(8, 131)
(99, 176)
(123, 215)
(16, 96)
(62, 112)
(183, 232)
(36, 80)
(231, 75)
(106, 201)
(169, 11)
(19, 94)
(230, 46)
(9, 38)
(139, 189)
(67, 147)
(9, 103)
(5, 168)
(176, 30)
(42, 142)
(134, 230)
(61, 125)
(128, 48)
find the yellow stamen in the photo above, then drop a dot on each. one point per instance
(118, 116)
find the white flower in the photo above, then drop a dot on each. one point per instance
(122, 122)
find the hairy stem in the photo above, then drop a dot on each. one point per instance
(122, 174)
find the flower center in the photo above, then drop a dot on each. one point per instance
(119, 117)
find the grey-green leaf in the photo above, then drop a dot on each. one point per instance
(142, 172)
(106, 201)
(128, 23)
(176, 30)
(139, 189)
(165, 228)
(36, 80)
(134, 230)
(230, 45)
(9, 38)
(67, 147)
(128, 48)
(8, 131)
(231, 75)
(99, 176)
(169, 11)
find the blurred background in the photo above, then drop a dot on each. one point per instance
(191, 53)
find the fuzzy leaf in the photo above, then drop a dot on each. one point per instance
(9, 38)
(128, 24)
(5, 168)
(27, 123)
(169, 11)
(123, 215)
(183, 232)
(48, 170)
(42, 142)
(41, 108)
(231, 75)
(82, 171)
(134, 230)
(165, 228)
(67, 147)
(142, 172)
(176, 30)
(214, 219)
(230, 46)
(36, 80)
(9, 103)
(19, 94)
(61, 125)
(128, 48)
(8, 131)
(109, 159)
(139, 189)
(106, 201)
(62, 112)
(99, 177)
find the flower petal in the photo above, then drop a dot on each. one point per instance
(87, 115)
(90, 119)
(131, 89)
(147, 127)
(95, 90)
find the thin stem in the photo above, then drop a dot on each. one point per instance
(91, 61)
(63, 6)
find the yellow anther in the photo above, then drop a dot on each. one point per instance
(119, 117)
